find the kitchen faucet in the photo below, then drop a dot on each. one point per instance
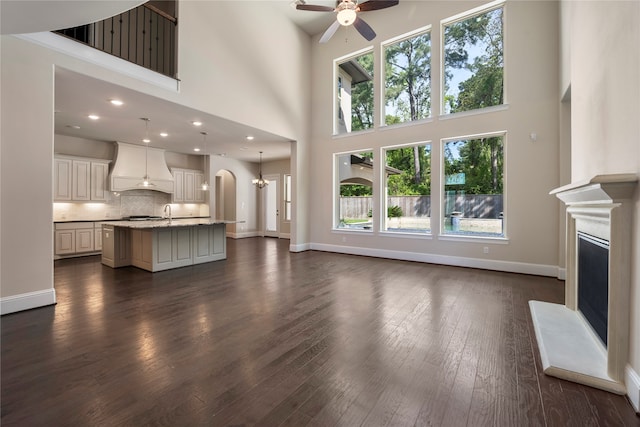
(164, 210)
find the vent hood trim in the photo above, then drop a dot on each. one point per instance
(129, 168)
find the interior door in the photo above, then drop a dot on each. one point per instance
(271, 203)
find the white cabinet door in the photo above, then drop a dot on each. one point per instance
(62, 176)
(178, 186)
(65, 242)
(80, 179)
(84, 240)
(189, 186)
(199, 194)
(97, 237)
(99, 174)
(81, 182)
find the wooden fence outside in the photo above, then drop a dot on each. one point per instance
(470, 205)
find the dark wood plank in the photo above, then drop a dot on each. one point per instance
(268, 337)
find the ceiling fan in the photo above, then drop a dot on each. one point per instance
(347, 14)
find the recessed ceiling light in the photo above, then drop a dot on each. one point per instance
(164, 134)
(249, 137)
(116, 102)
(93, 117)
(222, 154)
(196, 123)
(196, 149)
(73, 126)
(146, 140)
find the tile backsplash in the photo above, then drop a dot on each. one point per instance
(127, 203)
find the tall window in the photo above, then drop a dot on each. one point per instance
(354, 190)
(408, 183)
(354, 98)
(287, 197)
(407, 65)
(473, 62)
(473, 186)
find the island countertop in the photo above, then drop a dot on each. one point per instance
(164, 223)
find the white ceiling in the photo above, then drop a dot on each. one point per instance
(224, 137)
(73, 105)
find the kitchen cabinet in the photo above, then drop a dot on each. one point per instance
(97, 236)
(84, 239)
(99, 181)
(187, 186)
(80, 180)
(65, 242)
(62, 171)
(73, 238)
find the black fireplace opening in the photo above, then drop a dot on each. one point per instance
(593, 282)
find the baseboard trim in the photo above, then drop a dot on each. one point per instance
(242, 235)
(562, 273)
(507, 266)
(300, 248)
(632, 381)
(27, 301)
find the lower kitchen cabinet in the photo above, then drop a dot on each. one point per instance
(97, 239)
(77, 238)
(84, 240)
(65, 241)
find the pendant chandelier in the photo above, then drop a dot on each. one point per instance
(146, 182)
(260, 182)
(205, 184)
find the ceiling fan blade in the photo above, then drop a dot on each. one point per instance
(330, 32)
(377, 4)
(364, 29)
(314, 8)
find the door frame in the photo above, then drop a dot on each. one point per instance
(274, 185)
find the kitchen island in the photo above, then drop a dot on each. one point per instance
(157, 245)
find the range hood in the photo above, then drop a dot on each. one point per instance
(133, 162)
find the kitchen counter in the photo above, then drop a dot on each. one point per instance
(163, 223)
(111, 220)
(156, 245)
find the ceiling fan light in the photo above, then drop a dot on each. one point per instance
(346, 16)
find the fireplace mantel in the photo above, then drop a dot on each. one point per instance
(601, 189)
(569, 348)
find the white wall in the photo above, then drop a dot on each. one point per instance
(604, 59)
(228, 67)
(532, 168)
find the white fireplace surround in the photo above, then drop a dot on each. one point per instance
(569, 348)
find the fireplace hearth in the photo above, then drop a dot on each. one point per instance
(586, 339)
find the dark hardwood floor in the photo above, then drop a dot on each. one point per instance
(272, 338)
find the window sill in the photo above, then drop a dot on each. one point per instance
(352, 231)
(406, 235)
(406, 124)
(481, 111)
(501, 240)
(348, 134)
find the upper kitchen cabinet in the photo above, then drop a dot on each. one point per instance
(187, 186)
(80, 179)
